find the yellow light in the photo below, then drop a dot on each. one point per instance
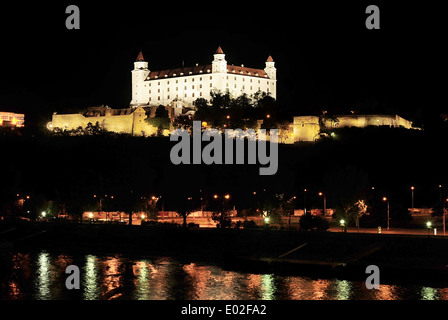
(227, 196)
(90, 215)
(143, 217)
(342, 222)
(204, 123)
(153, 198)
(428, 224)
(215, 196)
(412, 188)
(320, 193)
(228, 117)
(268, 116)
(384, 199)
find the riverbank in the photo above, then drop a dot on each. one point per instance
(416, 259)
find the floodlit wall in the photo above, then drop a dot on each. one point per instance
(306, 128)
(133, 123)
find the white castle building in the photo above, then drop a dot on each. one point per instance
(184, 85)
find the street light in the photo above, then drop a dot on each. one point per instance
(428, 226)
(444, 213)
(325, 201)
(412, 197)
(387, 200)
(44, 214)
(342, 224)
(304, 201)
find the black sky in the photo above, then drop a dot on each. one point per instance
(325, 56)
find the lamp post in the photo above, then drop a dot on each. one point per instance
(428, 226)
(304, 201)
(325, 202)
(342, 224)
(224, 205)
(412, 197)
(444, 213)
(387, 200)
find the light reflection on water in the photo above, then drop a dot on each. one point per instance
(41, 276)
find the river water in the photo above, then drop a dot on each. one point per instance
(41, 276)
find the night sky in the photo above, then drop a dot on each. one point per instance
(326, 58)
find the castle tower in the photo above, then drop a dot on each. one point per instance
(139, 74)
(270, 70)
(219, 64)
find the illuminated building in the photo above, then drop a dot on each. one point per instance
(11, 119)
(126, 120)
(181, 86)
(308, 128)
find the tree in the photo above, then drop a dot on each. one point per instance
(161, 120)
(356, 211)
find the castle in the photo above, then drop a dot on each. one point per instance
(178, 88)
(182, 86)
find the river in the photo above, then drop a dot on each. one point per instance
(40, 275)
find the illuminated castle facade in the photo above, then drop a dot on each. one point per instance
(182, 86)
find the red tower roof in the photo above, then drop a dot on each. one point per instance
(219, 50)
(140, 57)
(270, 59)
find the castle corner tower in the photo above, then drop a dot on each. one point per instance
(139, 75)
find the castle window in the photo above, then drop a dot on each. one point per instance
(192, 95)
(158, 98)
(192, 87)
(210, 85)
(200, 94)
(158, 90)
(200, 79)
(200, 86)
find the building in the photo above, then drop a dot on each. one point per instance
(127, 120)
(308, 128)
(186, 84)
(11, 119)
